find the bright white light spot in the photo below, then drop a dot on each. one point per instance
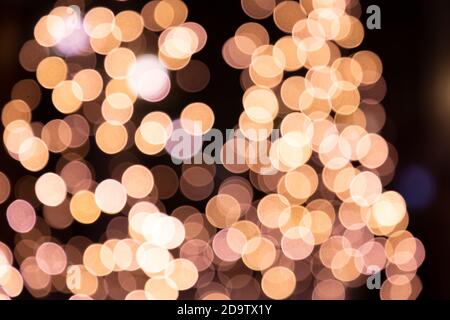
(149, 79)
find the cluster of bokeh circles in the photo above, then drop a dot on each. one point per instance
(309, 219)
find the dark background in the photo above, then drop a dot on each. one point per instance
(414, 45)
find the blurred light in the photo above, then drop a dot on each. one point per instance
(417, 185)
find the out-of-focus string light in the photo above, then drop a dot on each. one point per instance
(326, 221)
